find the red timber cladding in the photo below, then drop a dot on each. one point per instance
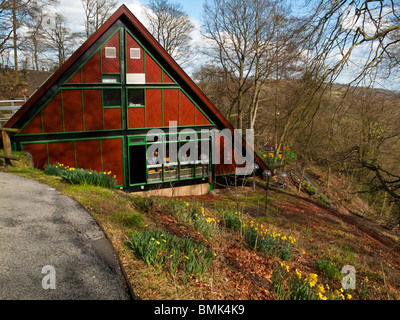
(93, 110)
(187, 111)
(38, 152)
(88, 154)
(112, 119)
(136, 118)
(62, 152)
(201, 119)
(73, 111)
(111, 65)
(154, 108)
(112, 158)
(167, 79)
(153, 71)
(221, 145)
(52, 115)
(76, 78)
(171, 106)
(34, 126)
(91, 71)
(133, 65)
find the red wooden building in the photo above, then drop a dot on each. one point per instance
(96, 111)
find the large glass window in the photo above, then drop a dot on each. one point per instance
(155, 153)
(171, 162)
(203, 158)
(136, 98)
(112, 98)
(187, 157)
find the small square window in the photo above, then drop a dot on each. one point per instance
(111, 52)
(135, 53)
(111, 98)
(135, 97)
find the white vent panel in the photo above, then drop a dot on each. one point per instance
(135, 53)
(135, 78)
(111, 52)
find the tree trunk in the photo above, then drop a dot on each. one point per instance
(383, 205)
(14, 18)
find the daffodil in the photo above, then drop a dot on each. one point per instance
(336, 293)
(321, 289)
(321, 296)
(312, 279)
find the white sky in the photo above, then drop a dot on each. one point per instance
(73, 11)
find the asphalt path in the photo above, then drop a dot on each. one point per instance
(51, 248)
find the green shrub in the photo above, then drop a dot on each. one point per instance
(143, 203)
(323, 199)
(328, 268)
(233, 220)
(270, 242)
(310, 189)
(130, 219)
(287, 287)
(82, 176)
(161, 249)
(195, 216)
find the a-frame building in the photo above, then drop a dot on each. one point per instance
(96, 111)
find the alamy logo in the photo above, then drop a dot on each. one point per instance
(49, 281)
(349, 280)
(187, 146)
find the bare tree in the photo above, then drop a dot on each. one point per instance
(13, 13)
(5, 24)
(246, 39)
(172, 28)
(96, 13)
(33, 42)
(59, 39)
(361, 33)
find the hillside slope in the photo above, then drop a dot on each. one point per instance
(224, 245)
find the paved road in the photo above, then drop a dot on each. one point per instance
(40, 228)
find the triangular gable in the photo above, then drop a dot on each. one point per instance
(155, 58)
